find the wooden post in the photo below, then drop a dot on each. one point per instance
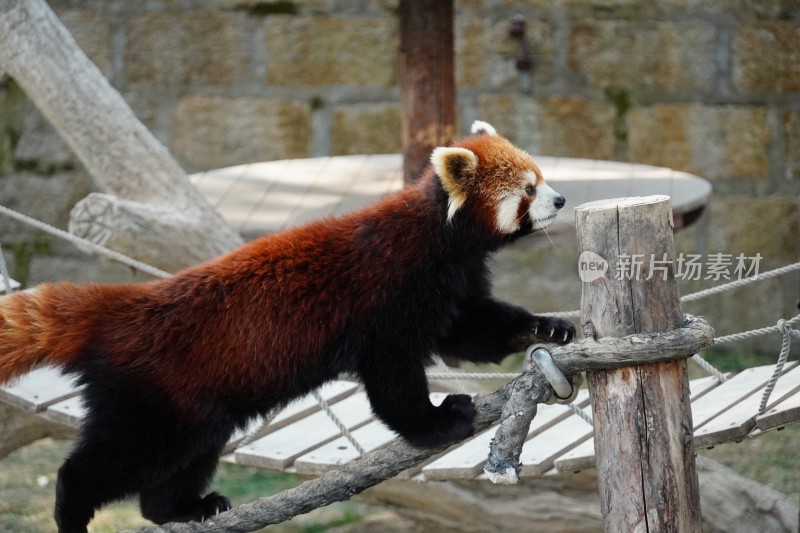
(642, 417)
(427, 83)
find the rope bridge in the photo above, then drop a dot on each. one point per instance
(352, 451)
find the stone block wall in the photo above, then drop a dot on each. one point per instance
(708, 87)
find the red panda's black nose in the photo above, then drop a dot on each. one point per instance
(559, 201)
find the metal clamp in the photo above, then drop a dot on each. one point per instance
(564, 391)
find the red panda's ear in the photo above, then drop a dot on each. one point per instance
(456, 168)
(480, 127)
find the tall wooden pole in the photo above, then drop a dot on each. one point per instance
(642, 417)
(427, 83)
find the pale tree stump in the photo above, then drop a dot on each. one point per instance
(642, 416)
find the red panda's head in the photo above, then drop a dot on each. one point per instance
(496, 181)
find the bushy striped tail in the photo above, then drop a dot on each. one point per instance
(39, 327)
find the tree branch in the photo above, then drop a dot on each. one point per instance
(379, 465)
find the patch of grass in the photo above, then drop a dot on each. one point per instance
(730, 359)
(771, 459)
(245, 484)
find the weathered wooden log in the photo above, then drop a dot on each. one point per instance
(157, 234)
(19, 428)
(642, 414)
(124, 159)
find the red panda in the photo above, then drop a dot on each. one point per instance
(171, 368)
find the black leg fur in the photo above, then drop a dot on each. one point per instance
(489, 330)
(398, 392)
(131, 443)
(87, 480)
(178, 499)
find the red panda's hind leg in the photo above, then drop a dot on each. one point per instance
(178, 499)
(86, 483)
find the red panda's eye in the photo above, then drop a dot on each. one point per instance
(529, 190)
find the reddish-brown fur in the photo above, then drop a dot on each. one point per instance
(220, 335)
(172, 367)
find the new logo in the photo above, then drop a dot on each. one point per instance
(591, 266)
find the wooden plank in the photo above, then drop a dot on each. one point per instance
(730, 393)
(331, 392)
(785, 412)
(380, 175)
(38, 389)
(463, 462)
(70, 412)
(698, 387)
(340, 451)
(539, 453)
(467, 460)
(582, 457)
(740, 419)
(279, 449)
(579, 458)
(217, 184)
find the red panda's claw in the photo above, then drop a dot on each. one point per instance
(214, 504)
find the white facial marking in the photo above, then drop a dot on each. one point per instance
(543, 209)
(507, 218)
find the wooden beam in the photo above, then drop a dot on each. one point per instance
(642, 416)
(427, 82)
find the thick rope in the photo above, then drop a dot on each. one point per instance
(709, 368)
(339, 424)
(581, 413)
(84, 243)
(785, 327)
(754, 332)
(460, 381)
(706, 292)
(741, 282)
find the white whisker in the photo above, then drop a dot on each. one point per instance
(564, 218)
(544, 229)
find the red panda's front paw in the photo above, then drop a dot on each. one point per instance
(550, 329)
(452, 422)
